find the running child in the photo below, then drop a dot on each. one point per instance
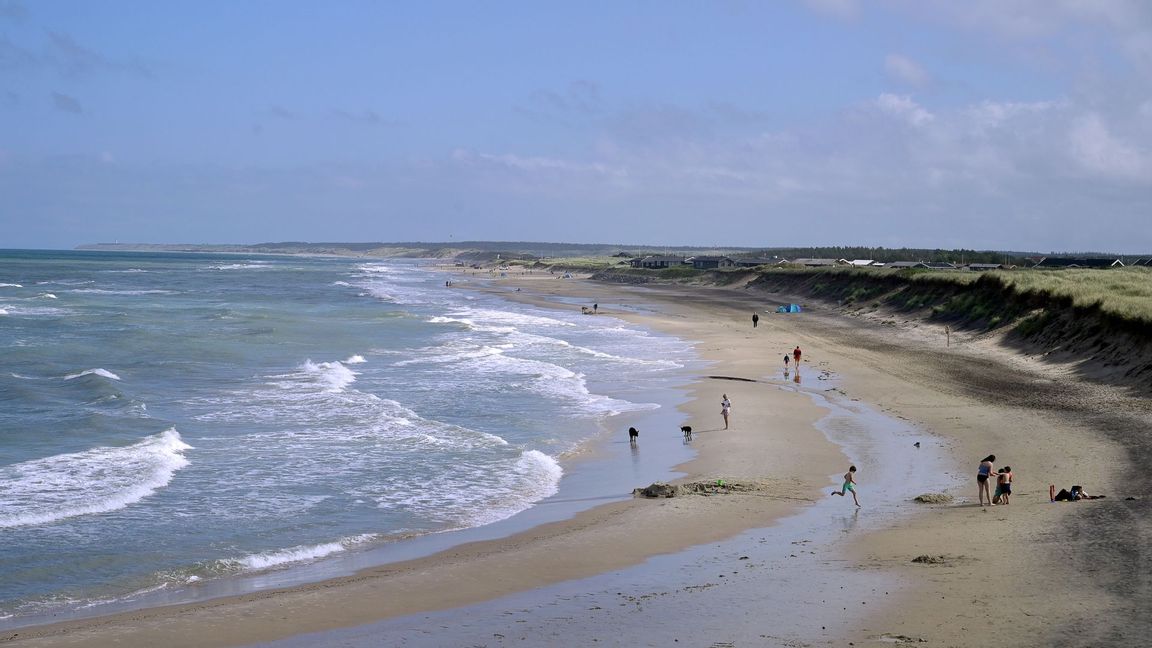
(849, 485)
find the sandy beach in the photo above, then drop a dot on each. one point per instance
(776, 561)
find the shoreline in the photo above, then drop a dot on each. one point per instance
(1029, 593)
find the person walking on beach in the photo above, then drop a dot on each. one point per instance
(796, 355)
(785, 362)
(755, 319)
(849, 485)
(725, 409)
(982, 474)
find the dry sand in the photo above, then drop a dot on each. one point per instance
(1031, 573)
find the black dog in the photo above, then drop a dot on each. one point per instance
(633, 433)
(687, 430)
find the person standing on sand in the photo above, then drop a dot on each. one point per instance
(849, 485)
(755, 319)
(785, 362)
(725, 409)
(982, 474)
(796, 355)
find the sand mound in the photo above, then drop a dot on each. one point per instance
(933, 498)
(709, 487)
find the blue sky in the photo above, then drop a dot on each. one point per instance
(989, 124)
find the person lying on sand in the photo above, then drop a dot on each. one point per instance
(1076, 494)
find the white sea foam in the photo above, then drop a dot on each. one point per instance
(483, 494)
(293, 555)
(356, 359)
(94, 481)
(3, 312)
(333, 375)
(46, 296)
(10, 285)
(99, 371)
(251, 265)
(17, 310)
(102, 291)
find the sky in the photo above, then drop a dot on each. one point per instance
(1021, 125)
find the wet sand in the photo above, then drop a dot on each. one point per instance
(783, 565)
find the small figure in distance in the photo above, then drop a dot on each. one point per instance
(785, 362)
(916, 445)
(796, 355)
(633, 433)
(849, 485)
(755, 319)
(725, 409)
(687, 430)
(595, 308)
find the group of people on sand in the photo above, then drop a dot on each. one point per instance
(984, 474)
(796, 353)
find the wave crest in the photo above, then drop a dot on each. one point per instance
(99, 371)
(99, 480)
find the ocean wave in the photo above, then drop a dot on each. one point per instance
(480, 494)
(488, 316)
(355, 359)
(10, 285)
(547, 379)
(3, 312)
(534, 476)
(334, 376)
(250, 265)
(103, 291)
(46, 296)
(99, 371)
(95, 481)
(34, 311)
(266, 560)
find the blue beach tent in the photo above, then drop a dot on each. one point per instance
(790, 308)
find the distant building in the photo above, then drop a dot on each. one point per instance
(864, 263)
(819, 263)
(1141, 262)
(981, 267)
(941, 265)
(1068, 262)
(710, 262)
(658, 261)
(752, 262)
(905, 265)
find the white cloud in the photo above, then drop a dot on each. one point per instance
(903, 107)
(905, 70)
(992, 114)
(1126, 23)
(1095, 147)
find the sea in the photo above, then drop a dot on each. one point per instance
(170, 420)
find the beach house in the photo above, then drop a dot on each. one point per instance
(710, 262)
